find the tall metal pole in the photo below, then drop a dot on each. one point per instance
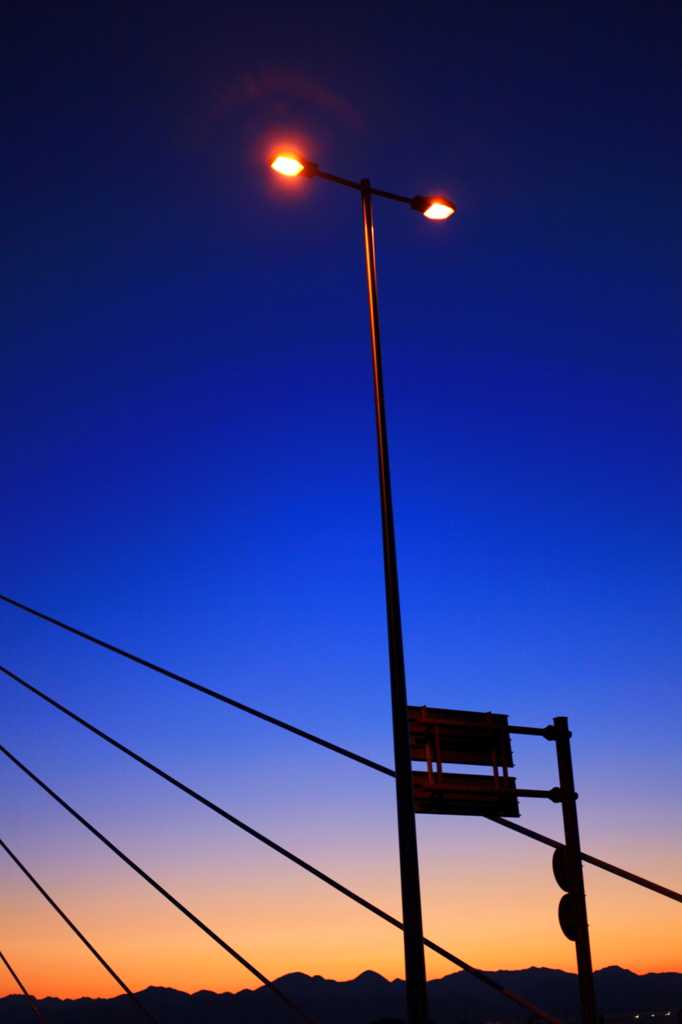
(574, 873)
(415, 972)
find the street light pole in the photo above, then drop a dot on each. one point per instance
(435, 208)
(415, 971)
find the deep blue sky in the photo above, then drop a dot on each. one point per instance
(188, 459)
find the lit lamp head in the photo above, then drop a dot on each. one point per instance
(292, 165)
(433, 207)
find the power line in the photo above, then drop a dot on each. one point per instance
(269, 842)
(297, 860)
(80, 935)
(670, 893)
(206, 802)
(159, 888)
(654, 887)
(204, 689)
(21, 986)
(306, 735)
(604, 865)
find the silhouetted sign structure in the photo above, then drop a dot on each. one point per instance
(440, 736)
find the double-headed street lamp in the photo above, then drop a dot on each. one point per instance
(435, 208)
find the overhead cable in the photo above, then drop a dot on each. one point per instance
(604, 865)
(21, 986)
(204, 689)
(204, 800)
(268, 842)
(670, 893)
(159, 888)
(80, 935)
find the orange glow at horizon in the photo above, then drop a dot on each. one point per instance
(497, 910)
(286, 163)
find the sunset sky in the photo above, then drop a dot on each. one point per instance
(189, 470)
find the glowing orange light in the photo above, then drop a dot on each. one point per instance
(287, 163)
(438, 209)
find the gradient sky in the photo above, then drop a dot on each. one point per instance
(189, 468)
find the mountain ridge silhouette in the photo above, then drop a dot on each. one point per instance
(457, 998)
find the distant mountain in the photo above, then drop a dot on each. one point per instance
(456, 999)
